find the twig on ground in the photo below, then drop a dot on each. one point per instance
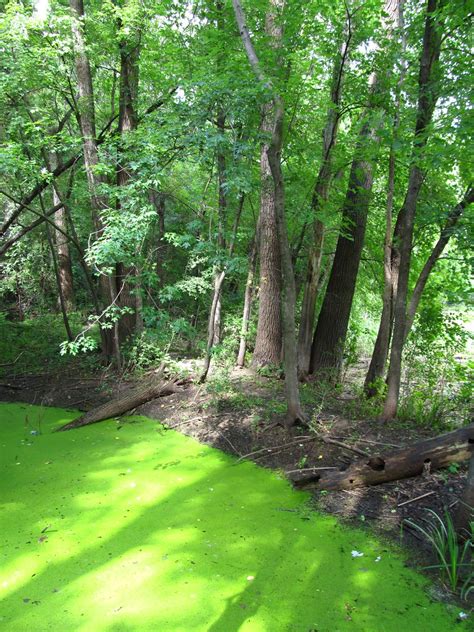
(228, 441)
(341, 444)
(184, 422)
(412, 500)
(303, 439)
(197, 393)
(388, 445)
(271, 450)
(310, 469)
(12, 363)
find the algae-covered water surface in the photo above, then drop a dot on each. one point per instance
(127, 526)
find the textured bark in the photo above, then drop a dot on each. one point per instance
(288, 294)
(86, 118)
(305, 335)
(86, 109)
(391, 257)
(331, 330)
(214, 314)
(214, 319)
(248, 296)
(62, 300)
(294, 412)
(274, 29)
(380, 353)
(320, 195)
(158, 386)
(82, 262)
(211, 331)
(127, 276)
(269, 334)
(441, 451)
(64, 256)
(427, 97)
(222, 216)
(329, 337)
(158, 201)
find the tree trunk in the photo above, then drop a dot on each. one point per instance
(308, 307)
(320, 195)
(127, 275)
(248, 295)
(61, 242)
(436, 253)
(86, 117)
(380, 353)
(441, 451)
(211, 331)
(331, 330)
(62, 299)
(329, 337)
(64, 256)
(158, 201)
(274, 30)
(288, 295)
(222, 216)
(214, 321)
(83, 264)
(378, 360)
(214, 314)
(269, 334)
(427, 97)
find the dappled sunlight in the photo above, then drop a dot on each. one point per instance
(17, 572)
(153, 531)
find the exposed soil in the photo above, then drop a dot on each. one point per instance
(232, 425)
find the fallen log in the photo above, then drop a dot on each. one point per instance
(465, 511)
(157, 387)
(431, 454)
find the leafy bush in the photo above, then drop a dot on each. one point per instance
(438, 385)
(145, 351)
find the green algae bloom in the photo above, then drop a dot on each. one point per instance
(128, 526)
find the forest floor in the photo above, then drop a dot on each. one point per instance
(239, 412)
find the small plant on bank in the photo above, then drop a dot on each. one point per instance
(302, 461)
(454, 558)
(270, 371)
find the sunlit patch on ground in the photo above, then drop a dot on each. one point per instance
(127, 527)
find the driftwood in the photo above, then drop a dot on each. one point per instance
(441, 451)
(159, 386)
(465, 511)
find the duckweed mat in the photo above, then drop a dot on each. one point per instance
(126, 526)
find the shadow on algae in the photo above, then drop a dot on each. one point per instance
(126, 526)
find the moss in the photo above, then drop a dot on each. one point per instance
(125, 526)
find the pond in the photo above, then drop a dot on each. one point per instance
(124, 525)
